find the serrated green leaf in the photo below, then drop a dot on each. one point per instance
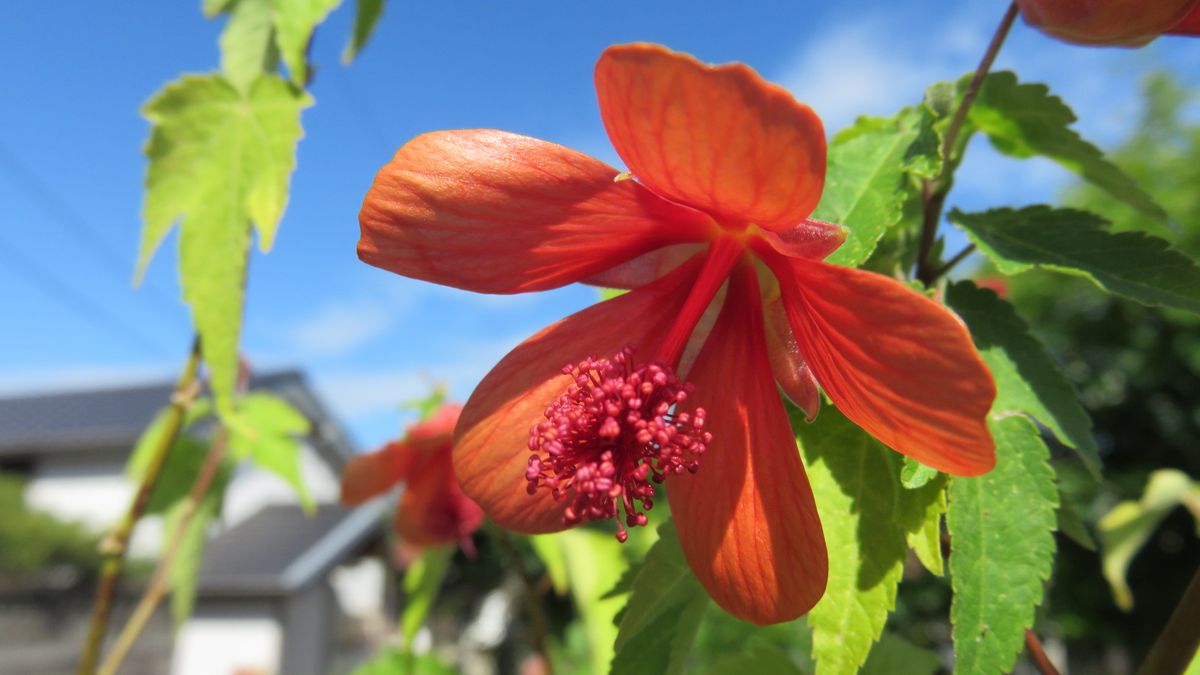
(422, 581)
(663, 614)
(1125, 529)
(897, 656)
(247, 43)
(926, 540)
(1132, 264)
(1023, 120)
(185, 570)
(219, 162)
(548, 550)
(269, 436)
(295, 21)
(865, 514)
(1002, 548)
(1027, 378)
(864, 182)
(914, 474)
(366, 17)
(594, 560)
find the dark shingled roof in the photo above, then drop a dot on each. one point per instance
(104, 419)
(281, 549)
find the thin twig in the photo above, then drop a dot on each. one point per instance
(533, 599)
(1038, 655)
(1178, 642)
(934, 192)
(159, 582)
(958, 257)
(116, 542)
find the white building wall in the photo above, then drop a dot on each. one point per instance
(252, 488)
(225, 641)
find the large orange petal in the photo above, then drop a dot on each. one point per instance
(747, 521)
(374, 473)
(1190, 24)
(720, 139)
(491, 449)
(495, 212)
(898, 364)
(792, 374)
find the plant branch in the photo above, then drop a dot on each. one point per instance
(1038, 655)
(1178, 642)
(533, 599)
(158, 583)
(116, 542)
(934, 192)
(958, 257)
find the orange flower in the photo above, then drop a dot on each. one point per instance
(433, 509)
(580, 421)
(1127, 23)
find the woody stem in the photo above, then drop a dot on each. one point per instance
(934, 191)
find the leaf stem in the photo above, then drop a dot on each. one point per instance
(158, 583)
(934, 192)
(958, 257)
(1178, 642)
(116, 542)
(533, 599)
(1038, 655)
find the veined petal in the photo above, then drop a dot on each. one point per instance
(746, 520)
(645, 268)
(496, 212)
(491, 449)
(720, 139)
(792, 374)
(374, 473)
(811, 239)
(895, 362)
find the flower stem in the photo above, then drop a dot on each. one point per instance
(116, 542)
(1179, 641)
(1038, 655)
(158, 583)
(934, 192)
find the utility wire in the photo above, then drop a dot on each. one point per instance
(62, 213)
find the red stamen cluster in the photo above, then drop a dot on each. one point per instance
(617, 428)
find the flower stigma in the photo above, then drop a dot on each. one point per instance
(617, 431)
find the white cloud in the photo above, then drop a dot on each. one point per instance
(341, 327)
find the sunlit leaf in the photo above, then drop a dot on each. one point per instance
(270, 435)
(185, 569)
(366, 17)
(247, 43)
(1125, 529)
(219, 161)
(548, 549)
(1002, 548)
(1027, 378)
(1023, 120)
(594, 561)
(1133, 264)
(295, 21)
(865, 515)
(864, 182)
(663, 614)
(926, 540)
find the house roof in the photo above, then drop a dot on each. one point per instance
(103, 419)
(280, 549)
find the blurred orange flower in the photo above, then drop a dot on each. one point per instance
(1126, 23)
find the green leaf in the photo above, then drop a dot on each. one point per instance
(1023, 120)
(426, 406)
(1132, 264)
(212, 8)
(1125, 529)
(269, 435)
(914, 474)
(1027, 378)
(594, 560)
(180, 467)
(366, 17)
(926, 540)
(185, 570)
(247, 45)
(1071, 524)
(295, 21)
(864, 182)
(394, 662)
(897, 656)
(663, 614)
(865, 514)
(219, 161)
(758, 658)
(1002, 548)
(547, 548)
(422, 581)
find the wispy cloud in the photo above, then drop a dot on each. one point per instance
(340, 327)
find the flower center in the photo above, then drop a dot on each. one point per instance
(617, 431)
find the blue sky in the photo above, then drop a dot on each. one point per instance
(75, 76)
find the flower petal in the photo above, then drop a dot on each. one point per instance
(374, 473)
(895, 362)
(433, 510)
(792, 374)
(720, 139)
(746, 520)
(491, 450)
(811, 239)
(495, 212)
(1189, 24)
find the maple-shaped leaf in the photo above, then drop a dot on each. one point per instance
(220, 160)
